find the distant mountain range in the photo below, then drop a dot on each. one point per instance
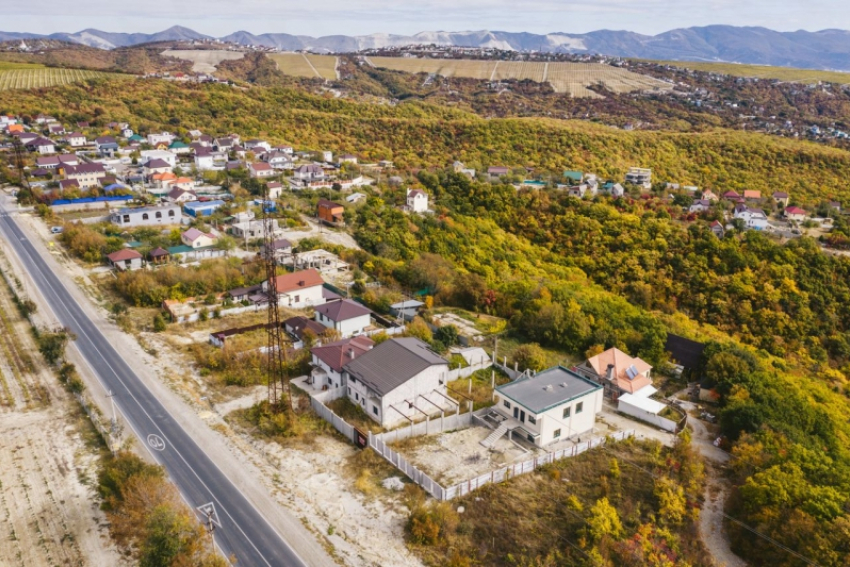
(826, 49)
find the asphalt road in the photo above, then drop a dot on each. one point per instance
(244, 533)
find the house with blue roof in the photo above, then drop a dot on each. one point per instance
(202, 208)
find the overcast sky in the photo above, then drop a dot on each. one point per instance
(356, 17)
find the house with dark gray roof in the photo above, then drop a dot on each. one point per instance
(346, 316)
(399, 381)
(547, 407)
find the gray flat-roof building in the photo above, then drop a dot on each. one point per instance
(550, 406)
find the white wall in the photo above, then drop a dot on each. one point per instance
(552, 420)
(306, 297)
(334, 376)
(422, 384)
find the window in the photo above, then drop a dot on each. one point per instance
(507, 404)
(375, 410)
(159, 214)
(356, 396)
(171, 213)
(556, 434)
(566, 412)
(126, 218)
(145, 216)
(579, 407)
(297, 298)
(349, 391)
(532, 420)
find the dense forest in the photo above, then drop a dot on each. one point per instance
(583, 274)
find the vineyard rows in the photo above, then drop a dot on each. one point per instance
(37, 78)
(306, 65)
(571, 78)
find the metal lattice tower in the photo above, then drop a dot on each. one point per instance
(276, 356)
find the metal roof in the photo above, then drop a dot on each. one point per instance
(392, 363)
(342, 310)
(547, 389)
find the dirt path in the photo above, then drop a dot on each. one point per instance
(711, 516)
(711, 526)
(49, 512)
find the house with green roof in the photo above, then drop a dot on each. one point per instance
(178, 147)
(574, 177)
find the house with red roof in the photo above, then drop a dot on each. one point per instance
(125, 259)
(328, 360)
(260, 170)
(299, 289)
(795, 214)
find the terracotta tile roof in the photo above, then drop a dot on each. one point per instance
(338, 354)
(298, 280)
(125, 254)
(621, 362)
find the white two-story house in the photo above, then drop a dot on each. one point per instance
(346, 316)
(299, 289)
(328, 360)
(551, 406)
(395, 378)
(417, 201)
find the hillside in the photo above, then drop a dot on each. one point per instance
(423, 135)
(136, 60)
(826, 49)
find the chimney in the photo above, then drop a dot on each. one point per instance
(301, 283)
(351, 353)
(610, 373)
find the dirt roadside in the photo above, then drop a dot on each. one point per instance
(49, 513)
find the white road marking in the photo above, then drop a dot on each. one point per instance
(156, 442)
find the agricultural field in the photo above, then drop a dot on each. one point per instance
(204, 60)
(306, 65)
(49, 512)
(569, 78)
(34, 76)
(763, 72)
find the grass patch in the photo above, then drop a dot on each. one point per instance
(481, 391)
(354, 415)
(369, 470)
(285, 428)
(508, 346)
(528, 519)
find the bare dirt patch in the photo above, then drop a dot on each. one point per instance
(49, 512)
(457, 456)
(204, 61)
